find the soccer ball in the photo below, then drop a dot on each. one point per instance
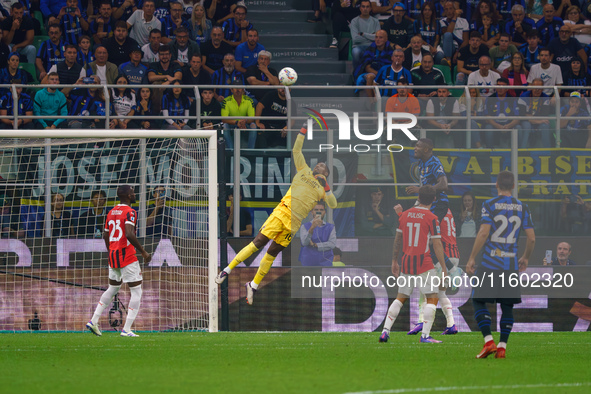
(288, 76)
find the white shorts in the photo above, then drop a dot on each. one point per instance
(129, 273)
(407, 283)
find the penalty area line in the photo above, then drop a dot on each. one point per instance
(464, 388)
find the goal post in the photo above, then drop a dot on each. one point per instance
(53, 265)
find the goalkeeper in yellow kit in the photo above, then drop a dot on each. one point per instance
(307, 188)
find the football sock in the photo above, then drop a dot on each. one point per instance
(448, 263)
(503, 345)
(429, 317)
(133, 307)
(104, 302)
(482, 316)
(506, 323)
(245, 253)
(447, 308)
(264, 267)
(421, 307)
(393, 312)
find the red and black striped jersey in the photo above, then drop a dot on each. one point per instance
(448, 236)
(417, 225)
(121, 252)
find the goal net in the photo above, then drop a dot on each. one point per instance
(54, 197)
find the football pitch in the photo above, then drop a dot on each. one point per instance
(290, 362)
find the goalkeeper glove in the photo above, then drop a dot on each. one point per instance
(322, 180)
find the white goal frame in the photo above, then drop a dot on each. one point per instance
(212, 187)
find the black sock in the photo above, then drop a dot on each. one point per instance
(482, 316)
(506, 321)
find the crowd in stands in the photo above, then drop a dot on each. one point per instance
(135, 42)
(477, 43)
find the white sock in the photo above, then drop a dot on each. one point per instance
(228, 270)
(254, 285)
(429, 317)
(421, 307)
(503, 345)
(447, 308)
(393, 312)
(104, 302)
(488, 338)
(133, 307)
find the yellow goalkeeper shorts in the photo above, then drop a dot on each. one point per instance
(274, 228)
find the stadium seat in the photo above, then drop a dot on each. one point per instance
(38, 40)
(446, 73)
(31, 69)
(39, 16)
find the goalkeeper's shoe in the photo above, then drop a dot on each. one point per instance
(128, 334)
(429, 340)
(450, 330)
(418, 328)
(500, 352)
(384, 337)
(221, 277)
(94, 328)
(249, 293)
(488, 349)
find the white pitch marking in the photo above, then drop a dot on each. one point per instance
(464, 388)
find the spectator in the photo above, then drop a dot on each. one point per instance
(501, 55)
(343, 12)
(454, 30)
(403, 102)
(468, 221)
(214, 50)
(182, 49)
(399, 29)
(158, 222)
(200, 25)
(430, 30)
(363, 30)
(550, 73)
(106, 71)
(219, 11)
(241, 106)
(490, 31)
(12, 71)
(145, 107)
(516, 73)
(378, 55)
(68, 71)
(85, 55)
(337, 258)
(274, 103)
(381, 9)
(468, 59)
(548, 26)
(164, 72)
(72, 22)
(4, 52)
(104, 25)
(25, 108)
(82, 102)
(318, 239)
(51, 8)
(532, 103)
(226, 76)
(501, 106)
(443, 107)
(319, 9)
(10, 226)
(151, 49)
(519, 26)
(91, 223)
(389, 75)
(579, 26)
(485, 7)
(247, 52)
(135, 72)
(374, 218)
(195, 74)
(427, 75)
(141, 22)
(176, 103)
(236, 29)
(484, 77)
(209, 107)
(123, 103)
(123, 9)
(564, 49)
(120, 45)
(245, 218)
(50, 102)
(172, 22)
(531, 50)
(60, 219)
(51, 51)
(414, 8)
(575, 133)
(577, 75)
(476, 107)
(563, 251)
(261, 74)
(414, 54)
(18, 32)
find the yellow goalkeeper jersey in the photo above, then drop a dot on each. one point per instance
(305, 190)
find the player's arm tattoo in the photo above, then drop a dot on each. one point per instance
(397, 246)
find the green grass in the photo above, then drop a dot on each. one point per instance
(288, 363)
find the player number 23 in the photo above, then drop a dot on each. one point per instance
(503, 224)
(116, 230)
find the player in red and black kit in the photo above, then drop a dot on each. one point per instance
(121, 242)
(417, 227)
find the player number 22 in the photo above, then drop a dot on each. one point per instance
(504, 223)
(116, 230)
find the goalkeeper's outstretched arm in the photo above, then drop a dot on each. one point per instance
(329, 197)
(298, 157)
